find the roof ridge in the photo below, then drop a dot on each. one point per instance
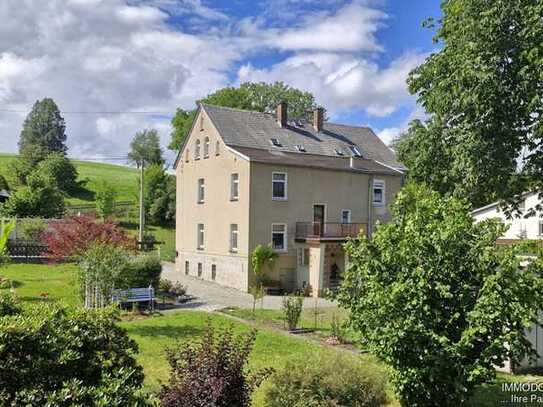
(236, 109)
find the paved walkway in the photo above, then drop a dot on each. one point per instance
(211, 296)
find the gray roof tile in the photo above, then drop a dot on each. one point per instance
(248, 129)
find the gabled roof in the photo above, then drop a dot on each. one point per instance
(243, 128)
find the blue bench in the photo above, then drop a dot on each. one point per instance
(133, 295)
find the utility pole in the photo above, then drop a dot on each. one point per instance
(142, 209)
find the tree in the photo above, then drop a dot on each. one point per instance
(159, 195)
(105, 200)
(60, 169)
(56, 356)
(70, 238)
(43, 132)
(39, 198)
(3, 184)
(4, 236)
(261, 97)
(262, 258)
(482, 94)
(434, 297)
(145, 147)
(212, 372)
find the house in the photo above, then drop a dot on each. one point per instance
(246, 178)
(519, 227)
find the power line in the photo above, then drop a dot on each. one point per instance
(96, 112)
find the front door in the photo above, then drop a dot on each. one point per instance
(318, 220)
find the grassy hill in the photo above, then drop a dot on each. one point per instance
(124, 179)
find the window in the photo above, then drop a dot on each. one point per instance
(279, 186)
(300, 148)
(187, 268)
(541, 228)
(279, 236)
(200, 244)
(522, 205)
(187, 156)
(206, 147)
(338, 151)
(233, 237)
(200, 269)
(213, 272)
(275, 142)
(234, 187)
(201, 123)
(355, 151)
(217, 147)
(303, 256)
(378, 192)
(197, 150)
(346, 216)
(201, 190)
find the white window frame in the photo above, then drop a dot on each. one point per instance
(234, 186)
(285, 181)
(206, 147)
(355, 151)
(349, 219)
(303, 260)
(378, 184)
(200, 231)
(197, 149)
(201, 191)
(285, 237)
(233, 232)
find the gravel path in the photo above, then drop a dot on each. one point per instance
(211, 296)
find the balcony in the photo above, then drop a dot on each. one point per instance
(327, 231)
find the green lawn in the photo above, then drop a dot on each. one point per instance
(155, 334)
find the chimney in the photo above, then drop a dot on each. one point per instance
(318, 119)
(282, 114)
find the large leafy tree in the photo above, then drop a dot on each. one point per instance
(261, 97)
(145, 147)
(159, 195)
(483, 92)
(433, 296)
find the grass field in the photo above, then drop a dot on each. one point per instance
(156, 333)
(124, 179)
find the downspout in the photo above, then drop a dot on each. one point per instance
(370, 207)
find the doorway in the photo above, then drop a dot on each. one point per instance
(318, 219)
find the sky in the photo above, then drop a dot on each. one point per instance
(118, 66)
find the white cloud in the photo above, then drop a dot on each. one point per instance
(123, 55)
(389, 134)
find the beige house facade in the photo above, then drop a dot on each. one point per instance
(249, 178)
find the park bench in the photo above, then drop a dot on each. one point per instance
(135, 295)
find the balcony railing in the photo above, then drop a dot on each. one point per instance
(328, 230)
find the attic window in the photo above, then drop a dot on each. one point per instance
(300, 148)
(275, 142)
(355, 151)
(338, 151)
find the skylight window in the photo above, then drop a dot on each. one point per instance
(355, 151)
(300, 148)
(275, 142)
(338, 151)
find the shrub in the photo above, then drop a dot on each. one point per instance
(141, 271)
(69, 238)
(3, 183)
(50, 355)
(9, 305)
(292, 310)
(433, 297)
(59, 168)
(4, 283)
(337, 329)
(105, 200)
(325, 380)
(32, 228)
(165, 285)
(178, 289)
(39, 198)
(212, 372)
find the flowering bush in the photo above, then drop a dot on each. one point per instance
(69, 238)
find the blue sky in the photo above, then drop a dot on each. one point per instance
(155, 55)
